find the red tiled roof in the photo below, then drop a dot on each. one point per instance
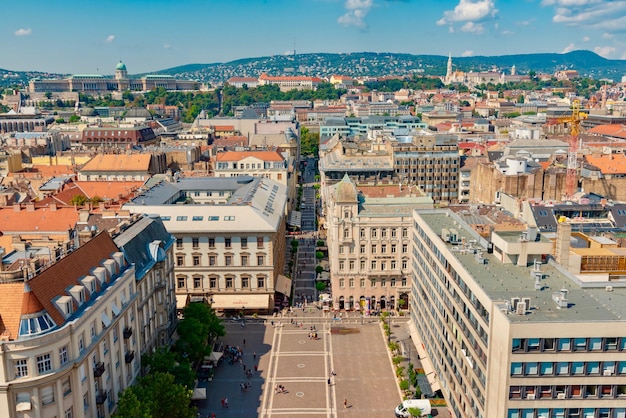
(54, 281)
(118, 162)
(40, 220)
(618, 131)
(608, 164)
(11, 295)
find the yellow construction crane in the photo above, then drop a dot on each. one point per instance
(574, 121)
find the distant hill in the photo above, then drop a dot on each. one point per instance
(587, 63)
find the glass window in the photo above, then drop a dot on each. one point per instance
(532, 368)
(516, 369)
(547, 368)
(44, 363)
(593, 367)
(611, 343)
(548, 344)
(562, 368)
(513, 413)
(528, 413)
(564, 344)
(578, 367)
(580, 344)
(621, 367)
(516, 344)
(533, 344)
(595, 344)
(622, 344)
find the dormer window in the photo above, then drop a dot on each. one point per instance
(78, 293)
(90, 284)
(35, 324)
(65, 305)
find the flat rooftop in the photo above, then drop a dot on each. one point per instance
(502, 282)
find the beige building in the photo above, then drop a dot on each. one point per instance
(73, 333)
(503, 334)
(258, 163)
(368, 244)
(230, 239)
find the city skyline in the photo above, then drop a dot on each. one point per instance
(150, 35)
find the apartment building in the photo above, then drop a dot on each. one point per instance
(73, 331)
(230, 239)
(270, 164)
(287, 83)
(368, 244)
(502, 333)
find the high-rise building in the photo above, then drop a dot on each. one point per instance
(503, 333)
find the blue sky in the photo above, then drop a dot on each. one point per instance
(78, 36)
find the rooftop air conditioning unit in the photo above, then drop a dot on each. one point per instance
(609, 288)
(521, 308)
(560, 395)
(530, 396)
(607, 372)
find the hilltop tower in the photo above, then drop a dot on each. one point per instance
(449, 69)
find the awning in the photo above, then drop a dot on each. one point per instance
(181, 301)
(198, 394)
(214, 357)
(105, 319)
(283, 285)
(241, 301)
(295, 219)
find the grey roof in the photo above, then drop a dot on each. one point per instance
(501, 282)
(144, 243)
(55, 183)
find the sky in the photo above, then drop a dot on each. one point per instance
(78, 36)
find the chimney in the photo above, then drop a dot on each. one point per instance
(30, 207)
(53, 207)
(17, 208)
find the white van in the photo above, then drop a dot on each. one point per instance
(402, 410)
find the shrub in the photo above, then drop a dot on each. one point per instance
(397, 360)
(319, 269)
(404, 385)
(319, 255)
(399, 371)
(320, 243)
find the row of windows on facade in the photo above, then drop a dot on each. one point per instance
(567, 413)
(44, 361)
(382, 232)
(568, 368)
(393, 248)
(228, 260)
(229, 282)
(383, 282)
(228, 242)
(253, 166)
(567, 392)
(373, 265)
(422, 161)
(568, 344)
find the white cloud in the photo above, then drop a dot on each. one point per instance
(599, 14)
(507, 33)
(356, 12)
(608, 36)
(467, 53)
(109, 39)
(472, 27)
(586, 39)
(604, 51)
(568, 48)
(167, 46)
(469, 10)
(23, 32)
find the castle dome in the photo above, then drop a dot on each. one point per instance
(120, 66)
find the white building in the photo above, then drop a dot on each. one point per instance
(72, 333)
(503, 335)
(230, 239)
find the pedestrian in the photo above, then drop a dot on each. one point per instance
(254, 355)
(244, 341)
(345, 403)
(329, 381)
(332, 372)
(275, 389)
(256, 367)
(212, 414)
(223, 402)
(244, 367)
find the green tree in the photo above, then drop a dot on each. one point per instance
(320, 286)
(165, 361)
(157, 396)
(74, 119)
(415, 412)
(48, 95)
(78, 200)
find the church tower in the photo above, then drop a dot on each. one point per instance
(449, 69)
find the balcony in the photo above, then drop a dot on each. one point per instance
(128, 331)
(159, 284)
(98, 369)
(101, 396)
(129, 357)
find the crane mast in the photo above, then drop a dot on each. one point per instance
(574, 121)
